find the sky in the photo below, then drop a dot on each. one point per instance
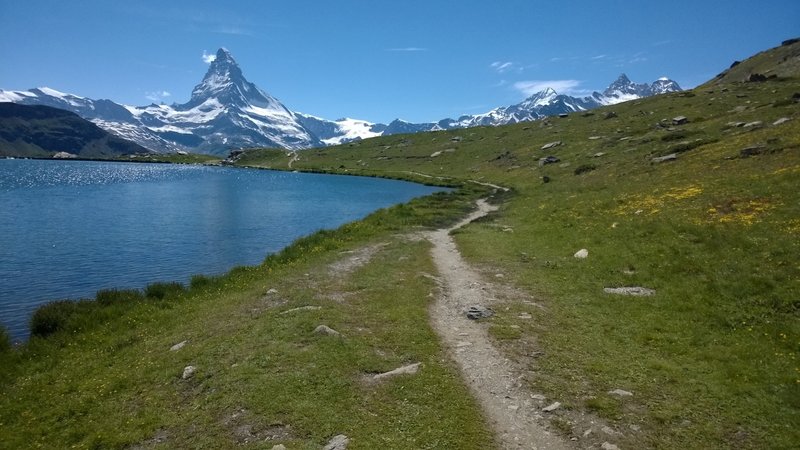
(378, 60)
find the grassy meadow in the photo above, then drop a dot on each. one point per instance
(712, 357)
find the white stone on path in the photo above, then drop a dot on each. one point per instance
(552, 407)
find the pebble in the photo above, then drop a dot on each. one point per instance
(552, 407)
(610, 431)
(609, 446)
(272, 291)
(582, 253)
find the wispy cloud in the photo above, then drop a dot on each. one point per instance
(595, 58)
(407, 49)
(208, 58)
(157, 96)
(530, 87)
(502, 66)
(232, 30)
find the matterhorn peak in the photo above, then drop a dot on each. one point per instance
(225, 83)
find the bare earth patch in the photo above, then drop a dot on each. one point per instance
(354, 259)
(512, 410)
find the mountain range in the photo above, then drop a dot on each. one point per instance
(226, 112)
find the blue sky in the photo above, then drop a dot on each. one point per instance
(375, 60)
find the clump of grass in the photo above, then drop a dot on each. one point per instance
(584, 168)
(52, 317)
(163, 290)
(604, 406)
(202, 282)
(111, 296)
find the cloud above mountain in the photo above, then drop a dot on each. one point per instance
(530, 87)
(157, 96)
(208, 58)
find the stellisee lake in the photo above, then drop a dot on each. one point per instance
(71, 228)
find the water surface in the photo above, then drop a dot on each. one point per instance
(71, 228)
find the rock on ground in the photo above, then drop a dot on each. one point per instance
(302, 308)
(637, 291)
(326, 330)
(178, 346)
(479, 312)
(609, 446)
(405, 370)
(338, 442)
(621, 393)
(670, 157)
(551, 145)
(188, 372)
(582, 253)
(552, 407)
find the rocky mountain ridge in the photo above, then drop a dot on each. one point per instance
(226, 112)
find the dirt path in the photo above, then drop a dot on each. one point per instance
(295, 157)
(492, 378)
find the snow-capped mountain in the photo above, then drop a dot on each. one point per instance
(225, 112)
(228, 112)
(543, 104)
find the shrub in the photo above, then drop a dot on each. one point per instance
(52, 317)
(162, 290)
(110, 296)
(583, 168)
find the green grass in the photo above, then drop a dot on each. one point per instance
(713, 357)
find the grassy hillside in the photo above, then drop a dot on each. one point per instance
(714, 229)
(711, 359)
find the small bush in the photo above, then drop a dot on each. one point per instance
(110, 296)
(583, 168)
(162, 290)
(52, 317)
